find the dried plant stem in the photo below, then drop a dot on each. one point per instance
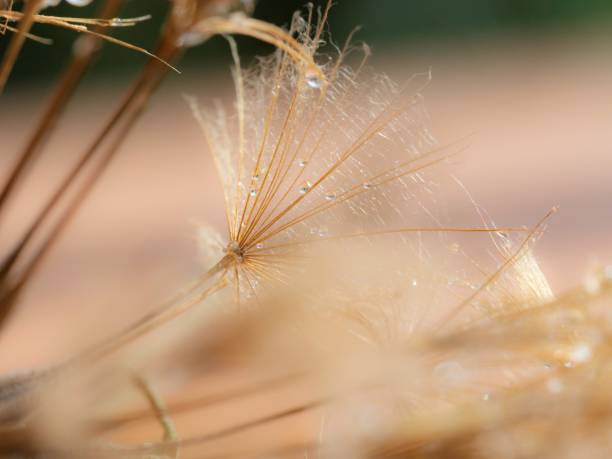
(161, 414)
(80, 25)
(122, 120)
(68, 84)
(163, 314)
(189, 405)
(279, 415)
(31, 8)
(31, 36)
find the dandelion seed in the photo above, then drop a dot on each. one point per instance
(279, 122)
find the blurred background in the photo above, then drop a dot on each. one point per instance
(529, 81)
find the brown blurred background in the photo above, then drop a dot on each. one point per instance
(529, 81)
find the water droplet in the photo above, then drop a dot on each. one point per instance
(414, 282)
(253, 193)
(313, 78)
(305, 188)
(303, 163)
(330, 197)
(259, 246)
(581, 353)
(504, 238)
(367, 186)
(255, 177)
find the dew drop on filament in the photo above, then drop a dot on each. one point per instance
(302, 163)
(259, 246)
(253, 193)
(367, 186)
(505, 238)
(330, 197)
(304, 189)
(313, 79)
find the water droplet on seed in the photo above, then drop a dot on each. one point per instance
(313, 79)
(580, 353)
(305, 188)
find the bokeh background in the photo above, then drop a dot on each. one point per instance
(529, 81)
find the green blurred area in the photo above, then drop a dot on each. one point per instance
(386, 23)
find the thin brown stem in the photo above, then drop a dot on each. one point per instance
(68, 84)
(10, 56)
